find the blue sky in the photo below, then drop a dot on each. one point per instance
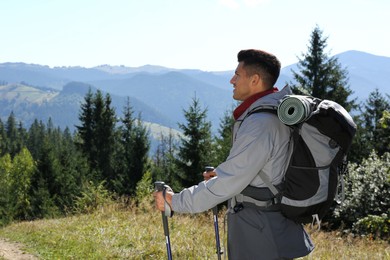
(197, 34)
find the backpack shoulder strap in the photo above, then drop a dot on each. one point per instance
(263, 176)
(260, 109)
(267, 182)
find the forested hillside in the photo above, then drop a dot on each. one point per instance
(159, 93)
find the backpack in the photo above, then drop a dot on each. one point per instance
(322, 133)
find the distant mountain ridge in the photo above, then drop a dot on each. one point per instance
(366, 72)
(160, 94)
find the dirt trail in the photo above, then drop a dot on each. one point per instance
(12, 251)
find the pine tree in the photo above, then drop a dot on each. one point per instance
(164, 167)
(14, 141)
(39, 190)
(133, 157)
(194, 150)
(141, 147)
(96, 135)
(69, 168)
(124, 153)
(35, 138)
(223, 142)
(96, 156)
(320, 75)
(375, 135)
(61, 169)
(85, 131)
(74, 170)
(3, 139)
(105, 138)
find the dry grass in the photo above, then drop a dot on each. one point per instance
(331, 245)
(137, 233)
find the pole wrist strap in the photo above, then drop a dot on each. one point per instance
(168, 212)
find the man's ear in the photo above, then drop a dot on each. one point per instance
(255, 79)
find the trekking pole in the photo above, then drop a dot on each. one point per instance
(215, 217)
(160, 186)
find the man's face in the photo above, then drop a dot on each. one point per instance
(241, 84)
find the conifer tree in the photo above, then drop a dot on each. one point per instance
(372, 131)
(194, 149)
(14, 141)
(105, 138)
(223, 142)
(164, 160)
(35, 138)
(141, 150)
(320, 75)
(69, 168)
(375, 134)
(132, 159)
(85, 130)
(40, 196)
(3, 139)
(124, 153)
(96, 135)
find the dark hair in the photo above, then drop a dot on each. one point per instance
(265, 64)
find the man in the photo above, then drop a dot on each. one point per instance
(260, 144)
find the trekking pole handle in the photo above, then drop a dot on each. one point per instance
(160, 186)
(209, 168)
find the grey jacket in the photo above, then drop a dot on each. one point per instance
(260, 142)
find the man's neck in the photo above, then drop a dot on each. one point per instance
(250, 100)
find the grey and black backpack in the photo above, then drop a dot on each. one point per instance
(322, 133)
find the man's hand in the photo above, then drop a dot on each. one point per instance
(207, 175)
(159, 199)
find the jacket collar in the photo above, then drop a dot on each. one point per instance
(249, 101)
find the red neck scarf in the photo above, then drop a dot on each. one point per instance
(249, 101)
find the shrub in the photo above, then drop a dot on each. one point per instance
(144, 186)
(375, 226)
(93, 197)
(367, 190)
(144, 199)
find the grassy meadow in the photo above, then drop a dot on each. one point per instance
(116, 232)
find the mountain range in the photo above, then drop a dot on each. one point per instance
(158, 94)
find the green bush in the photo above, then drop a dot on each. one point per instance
(367, 191)
(15, 180)
(93, 197)
(375, 226)
(144, 186)
(144, 199)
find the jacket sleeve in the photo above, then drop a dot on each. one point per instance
(251, 151)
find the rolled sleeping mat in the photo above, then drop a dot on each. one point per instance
(294, 109)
